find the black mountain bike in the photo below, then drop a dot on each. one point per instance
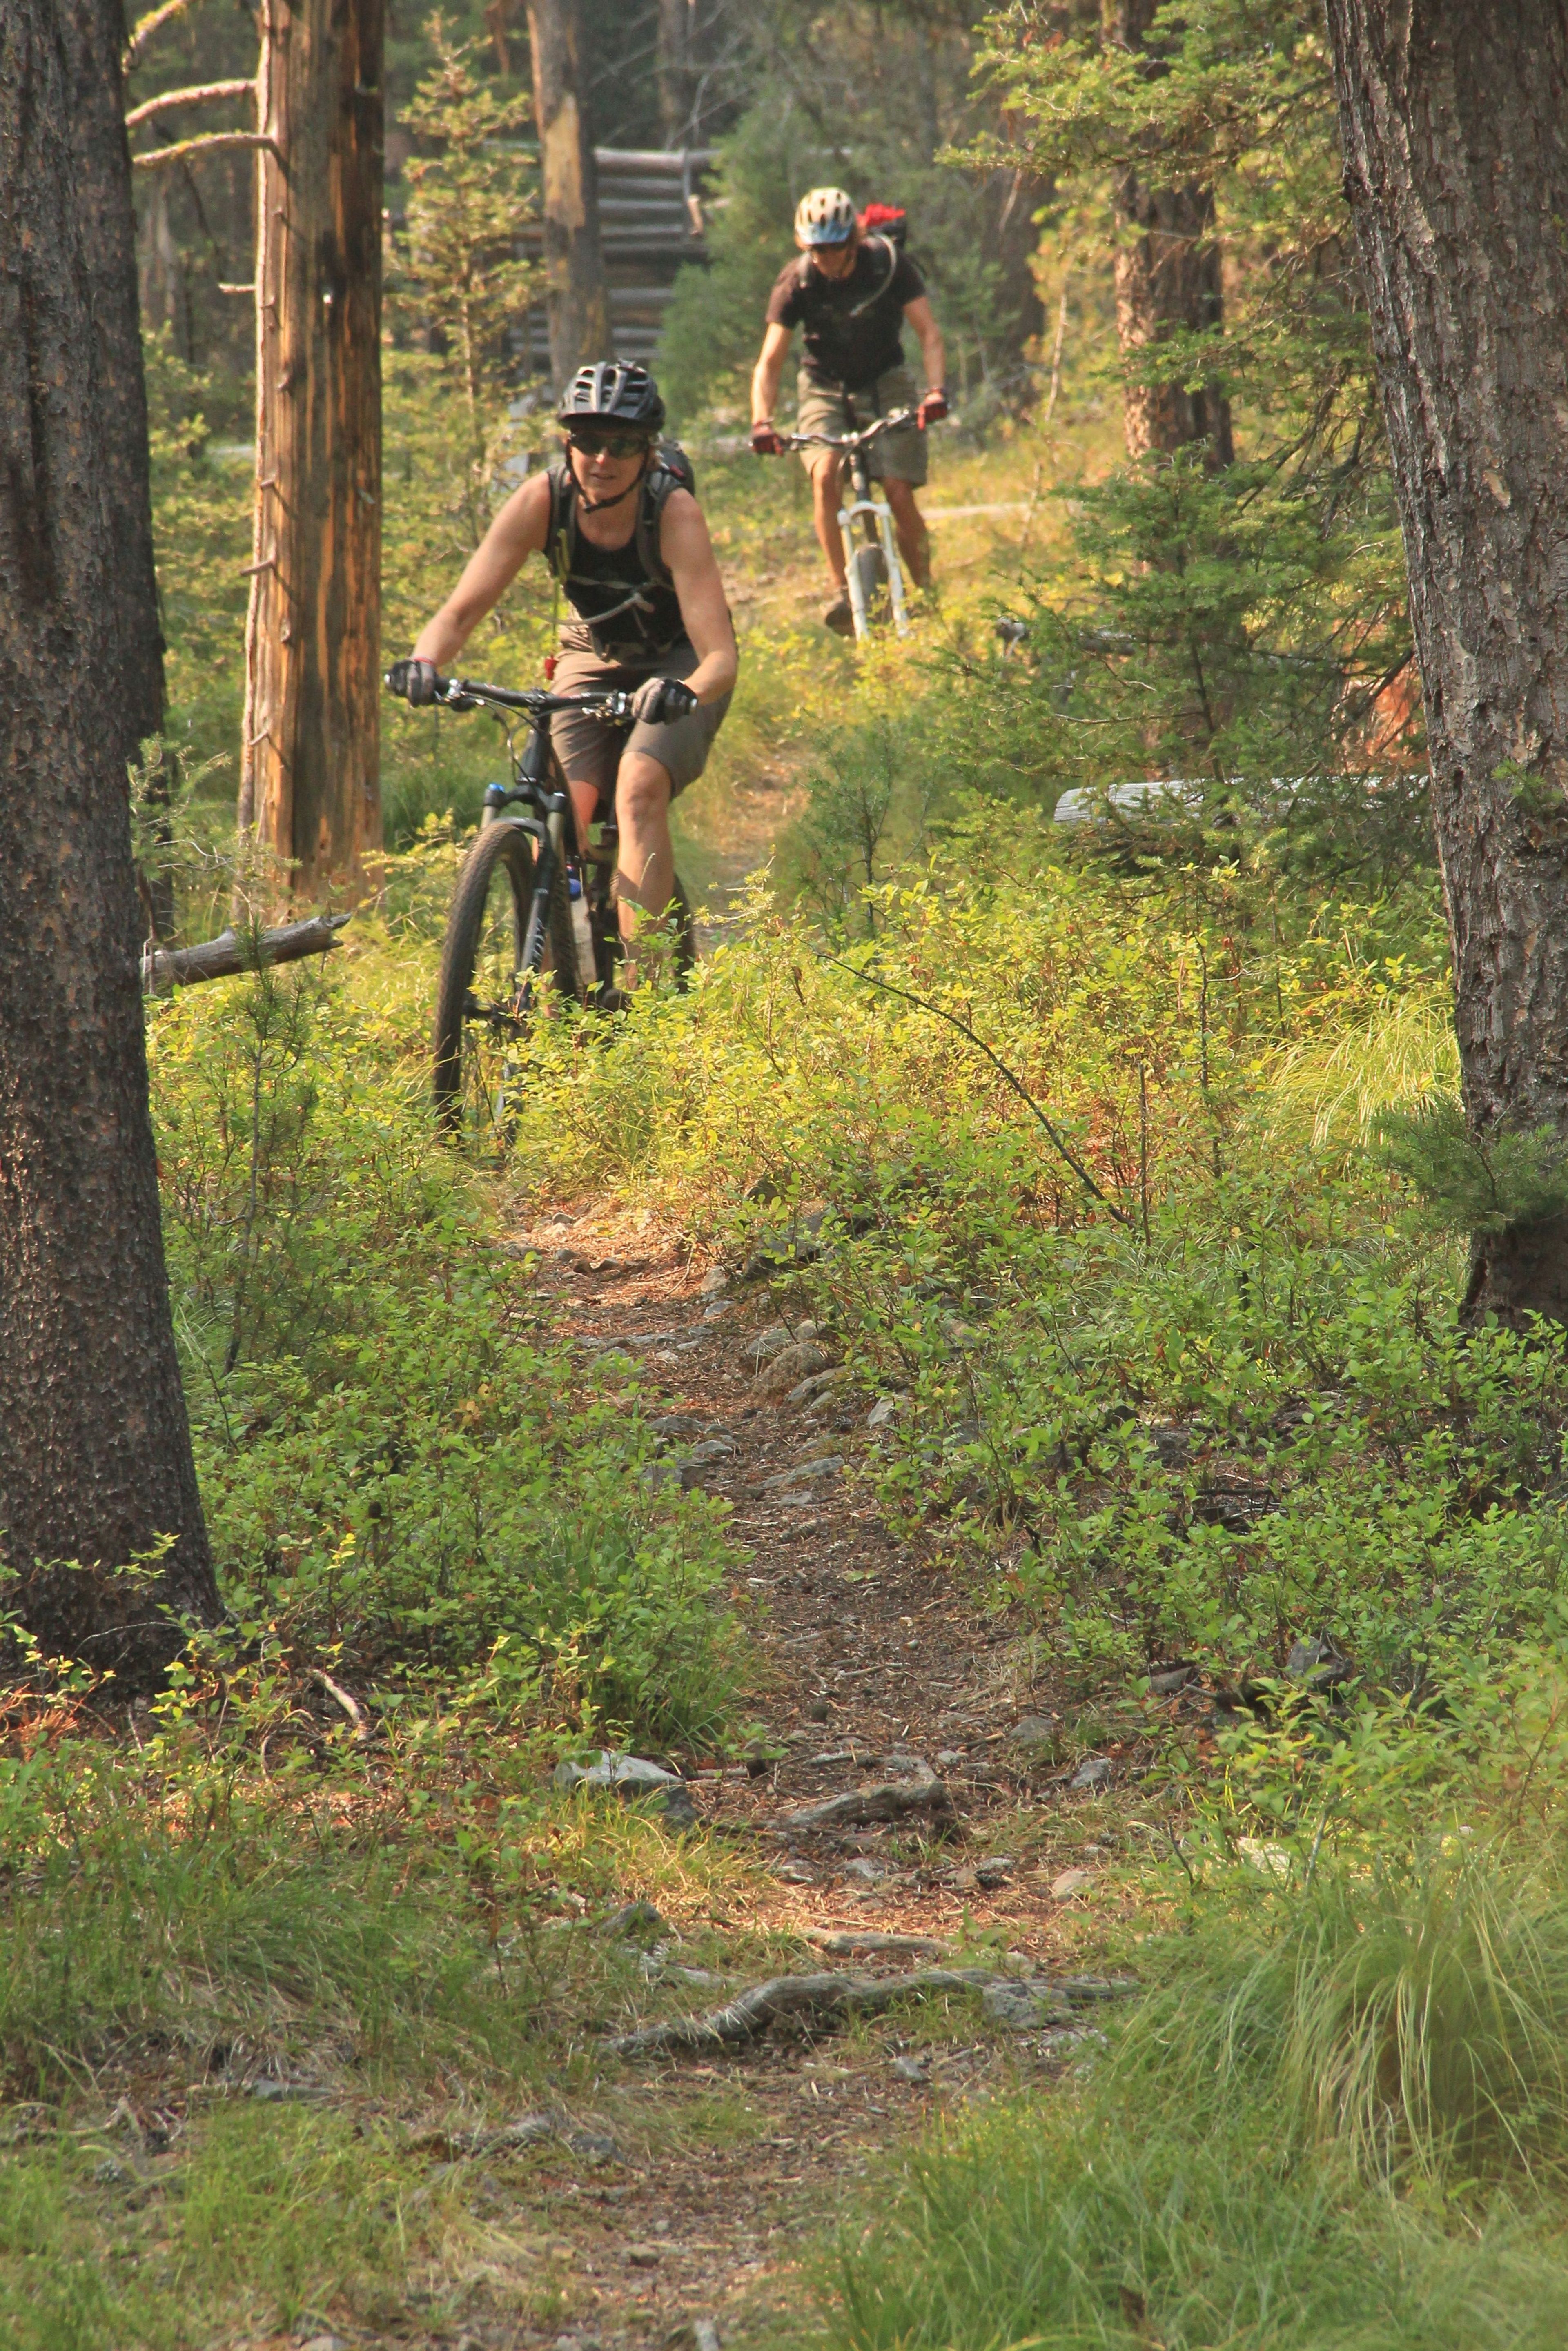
(533, 916)
(865, 523)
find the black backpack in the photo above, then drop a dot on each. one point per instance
(672, 469)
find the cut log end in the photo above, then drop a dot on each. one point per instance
(232, 952)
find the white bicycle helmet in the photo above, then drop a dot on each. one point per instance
(824, 216)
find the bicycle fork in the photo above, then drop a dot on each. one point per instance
(880, 514)
(552, 857)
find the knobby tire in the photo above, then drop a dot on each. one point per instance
(476, 1058)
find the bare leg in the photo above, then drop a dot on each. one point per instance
(827, 496)
(584, 805)
(645, 875)
(909, 529)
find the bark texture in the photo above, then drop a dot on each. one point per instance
(575, 300)
(1454, 117)
(95, 1452)
(100, 156)
(310, 765)
(677, 71)
(1167, 281)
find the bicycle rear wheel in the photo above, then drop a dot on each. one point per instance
(483, 1004)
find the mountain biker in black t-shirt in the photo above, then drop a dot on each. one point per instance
(851, 294)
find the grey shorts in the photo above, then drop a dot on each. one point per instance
(590, 750)
(898, 456)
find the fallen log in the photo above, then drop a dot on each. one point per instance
(233, 951)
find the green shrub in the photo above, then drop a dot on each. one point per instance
(401, 1460)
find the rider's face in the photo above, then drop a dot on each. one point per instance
(601, 474)
(834, 260)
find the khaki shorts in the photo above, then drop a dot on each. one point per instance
(897, 457)
(590, 750)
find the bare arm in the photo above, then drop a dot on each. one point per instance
(768, 372)
(687, 549)
(934, 357)
(517, 532)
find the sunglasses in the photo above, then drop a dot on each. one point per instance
(610, 444)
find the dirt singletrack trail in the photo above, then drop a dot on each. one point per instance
(874, 1668)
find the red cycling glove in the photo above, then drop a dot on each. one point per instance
(765, 442)
(933, 408)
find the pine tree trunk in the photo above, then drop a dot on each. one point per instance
(95, 1452)
(575, 299)
(311, 763)
(95, 35)
(1454, 117)
(1167, 281)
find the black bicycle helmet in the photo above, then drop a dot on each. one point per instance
(614, 392)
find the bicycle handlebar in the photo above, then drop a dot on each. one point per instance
(538, 701)
(848, 440)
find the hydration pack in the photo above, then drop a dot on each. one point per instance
(890, 221)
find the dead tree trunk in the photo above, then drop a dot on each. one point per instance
(95, 1451)
(1454, 116)
(95, 35)
(576, 303)
(311, 763)
(1167, 281)
(677, 81)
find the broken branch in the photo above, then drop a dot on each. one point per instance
(197, 95)
(233, 951)
(144, 31)
(350, 1704)
(155, 156)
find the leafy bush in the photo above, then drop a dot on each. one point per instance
(400, 1461)
(1176, 1380)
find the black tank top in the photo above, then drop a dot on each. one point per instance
(602, 578)
(625, 598)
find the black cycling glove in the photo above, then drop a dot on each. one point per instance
(660, 701)
(416, 679)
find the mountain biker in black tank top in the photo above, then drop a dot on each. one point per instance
(625, 536)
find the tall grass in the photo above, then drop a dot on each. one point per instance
(1341, 2120)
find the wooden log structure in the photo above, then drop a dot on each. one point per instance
(233, 951)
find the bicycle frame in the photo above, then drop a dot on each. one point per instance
(553, 824)
(871, 511)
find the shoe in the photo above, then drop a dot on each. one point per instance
(840, 615)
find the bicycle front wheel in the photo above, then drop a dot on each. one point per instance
(484, 1001)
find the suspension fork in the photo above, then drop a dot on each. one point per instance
(875, 518)
(552, 858)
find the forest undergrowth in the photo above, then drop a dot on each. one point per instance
(1103, 1157)
(1081, 1158)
